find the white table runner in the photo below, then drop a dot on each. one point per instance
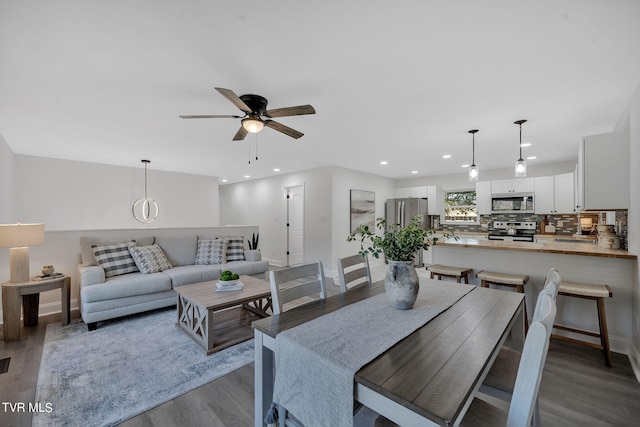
(316, 362)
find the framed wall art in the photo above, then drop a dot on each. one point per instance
(363, 209)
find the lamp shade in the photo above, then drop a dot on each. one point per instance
(252, 124)
(21, 235)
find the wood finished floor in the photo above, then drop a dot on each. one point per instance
(577, 390)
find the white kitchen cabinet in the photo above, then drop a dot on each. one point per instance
(483, 197)
(435, 203)
(402, 193)
(520, 185)
(603, 172)
(554, 194)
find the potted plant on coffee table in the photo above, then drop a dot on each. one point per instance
(400, 245)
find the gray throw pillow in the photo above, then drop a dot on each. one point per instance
(212, 252)
(149, 259)
(115, 259)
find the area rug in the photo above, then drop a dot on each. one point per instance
(125, 367)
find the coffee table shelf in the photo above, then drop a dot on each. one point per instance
(204, 313)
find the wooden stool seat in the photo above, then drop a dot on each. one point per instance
(503, 279)
(447, 271)
(597, 292)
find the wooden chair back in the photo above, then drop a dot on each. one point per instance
(353, 271)
(534, 354)
(293, 283)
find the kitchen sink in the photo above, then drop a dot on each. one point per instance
(570, 240)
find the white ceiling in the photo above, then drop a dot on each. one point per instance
(105, 81)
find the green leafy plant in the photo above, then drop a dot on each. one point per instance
(228, 275)
(397, 243)
(253, 243)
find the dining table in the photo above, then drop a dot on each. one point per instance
(428, 377)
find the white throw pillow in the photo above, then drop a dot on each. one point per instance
(149, 259)
(212, 252)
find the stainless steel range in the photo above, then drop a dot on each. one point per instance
(512, 231)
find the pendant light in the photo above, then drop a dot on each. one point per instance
(473, 169)
(144, 209)
(521, 165)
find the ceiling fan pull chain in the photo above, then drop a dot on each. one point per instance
(256, 146)
(249, 152)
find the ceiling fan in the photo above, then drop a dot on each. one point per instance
(254, 108)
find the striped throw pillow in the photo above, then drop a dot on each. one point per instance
(235, 249)
(115, 259)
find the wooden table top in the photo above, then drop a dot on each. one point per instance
(449, 353)
(205, 294)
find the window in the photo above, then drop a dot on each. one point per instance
(460, 207)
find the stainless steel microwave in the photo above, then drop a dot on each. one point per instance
(512, 203)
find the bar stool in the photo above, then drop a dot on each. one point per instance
(456, 272)
(597, 292)
(516, 281)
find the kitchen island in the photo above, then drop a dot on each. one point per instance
(576, 262)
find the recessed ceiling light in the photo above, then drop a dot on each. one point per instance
(384, 162)
(525, 144)
(465, 166)
(446, 156)
(247, 176)
(414, 171)
(531, 157)
(225, 180)
(276, 170)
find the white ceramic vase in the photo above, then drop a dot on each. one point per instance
(401, 284)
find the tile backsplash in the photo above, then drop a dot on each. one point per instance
(566, 224)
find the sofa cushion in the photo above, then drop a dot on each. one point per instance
(179, 250)
(126, 286)
(86, 253)
(246, 267)
(235, 249)
(115, 259)
(188, 274)
(212, 252)
(149, 259)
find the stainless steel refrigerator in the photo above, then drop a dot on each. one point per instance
(400, 211)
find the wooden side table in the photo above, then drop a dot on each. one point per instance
(29, 292)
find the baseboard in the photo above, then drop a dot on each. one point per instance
(634, 358)
(51, 308)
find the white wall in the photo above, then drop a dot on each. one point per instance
(631, 121)
(345, 180)
(72, 195)
(263, 202)
(327, 219)
(6, 181)
(76, 198)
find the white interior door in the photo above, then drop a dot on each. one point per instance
(295, 225)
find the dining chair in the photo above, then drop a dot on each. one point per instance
(294, 283)
(520, 412)
(353, 271)
(500, 380)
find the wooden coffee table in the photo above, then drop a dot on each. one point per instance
(234, 311)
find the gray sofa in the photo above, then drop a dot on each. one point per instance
(102, 298)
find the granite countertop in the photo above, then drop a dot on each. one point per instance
(584, 249)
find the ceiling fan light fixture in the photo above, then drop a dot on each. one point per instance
(473, 169)
(521, 165)
(252, 124)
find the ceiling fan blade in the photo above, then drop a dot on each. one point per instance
(242, 132)
(210, 116)
(235, 99)
(284, 129)
(290, 111)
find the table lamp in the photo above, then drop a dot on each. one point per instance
(19, 237)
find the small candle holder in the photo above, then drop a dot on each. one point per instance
(47, 270)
